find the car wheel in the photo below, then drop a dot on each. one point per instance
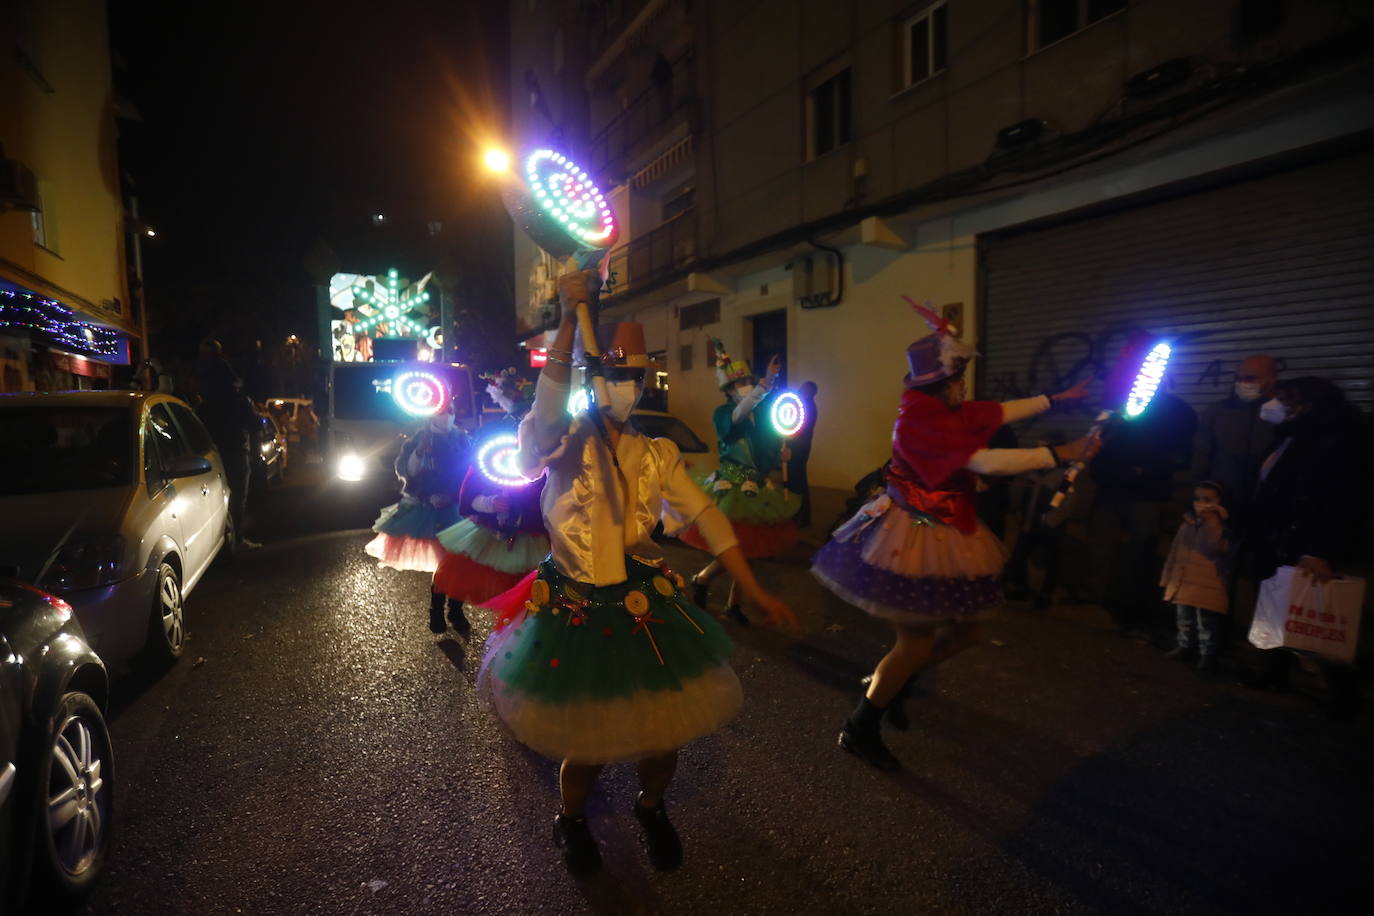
(76, 778)
(167, 624)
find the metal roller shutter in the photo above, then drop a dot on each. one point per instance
(1282, 264)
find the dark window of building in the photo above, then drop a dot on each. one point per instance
(831, 115)
(699, 314)
(1052, 20)
(926, 47)
(679, 201)
(684, 357)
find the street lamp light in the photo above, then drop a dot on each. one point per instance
(496, 160)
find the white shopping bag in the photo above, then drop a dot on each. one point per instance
(1294, 612)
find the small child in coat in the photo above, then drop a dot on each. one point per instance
(1194, 577)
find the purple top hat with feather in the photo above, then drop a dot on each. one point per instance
(938, 355)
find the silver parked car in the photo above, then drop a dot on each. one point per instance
(117, 502)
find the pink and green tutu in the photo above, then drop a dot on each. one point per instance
(479, 563)
(407, 535)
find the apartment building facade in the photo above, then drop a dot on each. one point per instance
(1050, 174)
(66, 315)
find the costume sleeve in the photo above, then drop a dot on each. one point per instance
(747, 404)
(1024, 407)
(1010, 460)
(683, 502)
(474, 485)
(544, 427)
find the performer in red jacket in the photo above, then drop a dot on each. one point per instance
(916, 555)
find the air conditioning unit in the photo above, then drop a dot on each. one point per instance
(18, 186)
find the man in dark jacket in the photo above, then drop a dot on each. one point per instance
(800, 450)
(230, 419)
(1232, 439)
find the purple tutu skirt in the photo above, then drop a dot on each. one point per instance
(911, 570)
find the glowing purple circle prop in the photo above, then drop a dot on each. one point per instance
(419, 393)
(788, 414)
(1147, 380)
(496, 460)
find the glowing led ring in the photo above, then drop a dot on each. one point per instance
(1147, 380)
(496, 459)
(568, 197)
(788, 414)
(420, 394)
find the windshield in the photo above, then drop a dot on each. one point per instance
(656, 426)
(362, 391)
(49, 448)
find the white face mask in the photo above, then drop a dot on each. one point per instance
(1248, 391)
(621, 398)
(441, 423)
(1273, 411)
(743, 391)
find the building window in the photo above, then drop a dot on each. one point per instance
(1051, 20)
(44, 220)
(679, 201)
(830, 115)
(925, 45)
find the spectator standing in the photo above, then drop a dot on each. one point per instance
(229, 417)
(800, 448)
(1134, 474)
(1231, 438)
(1195, 576)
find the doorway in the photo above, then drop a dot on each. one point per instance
(769, 340)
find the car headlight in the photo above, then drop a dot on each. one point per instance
(88, 563)
(351, 467)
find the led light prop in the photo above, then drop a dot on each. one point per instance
(420, 394)
(578, 401)
(1149, 375)
(496, 460)
(788, 416)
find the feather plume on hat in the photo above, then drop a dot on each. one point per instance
(939, 355)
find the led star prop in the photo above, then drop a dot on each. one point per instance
(496, 460)
(1147, 380)
(788, 414)
(419, 393)
(390, 306)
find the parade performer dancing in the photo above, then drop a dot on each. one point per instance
(917, 556)
(501, 536)
(761, 512)
(598, 656)
(430, 468)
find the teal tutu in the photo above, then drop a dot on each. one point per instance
(483, 545)
(745, 495)
(415, 520)
(620, 672)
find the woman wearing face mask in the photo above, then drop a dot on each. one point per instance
(1312, 498)
(501, 535)
(762, 513)
(917, 556)
(430, 468)
(598, 656)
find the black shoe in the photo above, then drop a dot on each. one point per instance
(735, 614)
(580, 853)
(458, 619)
(699, 596)
(665, 849)
(895, 714)
(436, 613)
(869, 748)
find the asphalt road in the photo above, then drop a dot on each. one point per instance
(319, 751)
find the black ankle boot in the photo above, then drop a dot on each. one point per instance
(574, 837)
(436, 612)
(735, 614)
(699, 593)
(458, 619)
(862, 737)
(665, 848)
(895, 714)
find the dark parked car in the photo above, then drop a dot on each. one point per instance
(56, 766)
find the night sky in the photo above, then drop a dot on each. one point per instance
(270, 127)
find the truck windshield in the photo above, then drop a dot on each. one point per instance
(362, 391)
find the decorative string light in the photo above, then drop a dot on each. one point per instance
(27, 311)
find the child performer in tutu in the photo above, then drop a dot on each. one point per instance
(598, 656)
(762, 514)
(501, 537)
(917, 556)
(430, 468)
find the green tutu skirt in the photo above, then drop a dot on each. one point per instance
(745, 495)
(483, 545)
(598, 675)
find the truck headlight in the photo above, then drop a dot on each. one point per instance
(351, 467)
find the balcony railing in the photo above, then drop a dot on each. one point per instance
(653, 255)
(643, 119)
